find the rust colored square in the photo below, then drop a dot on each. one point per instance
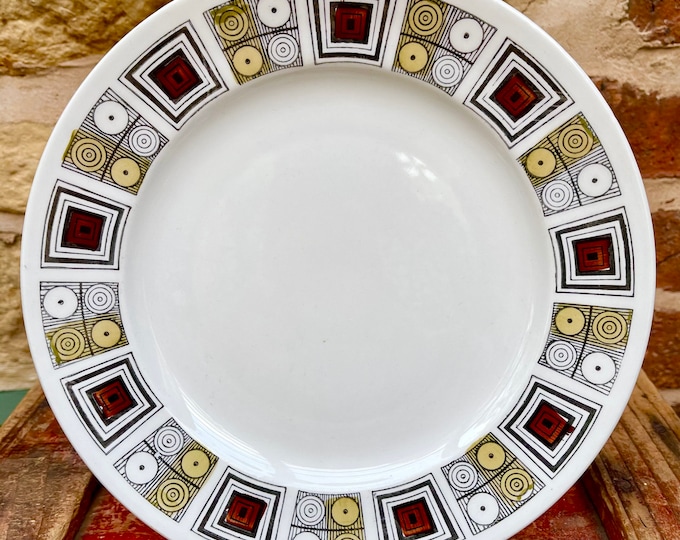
(548, 425)
(82, 230)
(593, 255)
(517, 95)
(176, 76)
(351, 22)
(244, 513)
(112, 398)
(414, 519)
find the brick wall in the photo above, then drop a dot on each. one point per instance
(627, 47)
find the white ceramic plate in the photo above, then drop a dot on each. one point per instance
(359, 270)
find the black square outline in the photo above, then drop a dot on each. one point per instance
(626, 255)
(195, 104)
(382, 30)
(113, 246)
(107, 443)
(200, 525)
(511, 48)
(426, 483)
(590, 415)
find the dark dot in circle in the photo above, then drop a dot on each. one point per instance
(345, 511)
(413, 57)
(125, 172)
(466, 35)
(482, 508)
(598, 368)
(61, 302)
(569, 321)
(247, 61)
(111, 117)
(274, 10)
(106, 334)
(540, 163)
(195, 463)
(490, 456)
(594, 180)
(141, 467)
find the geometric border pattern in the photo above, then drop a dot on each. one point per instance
(517, 96)
(569, 168)
(587, 343)
(565, 418)
(490, 483)
(83, 229)
(175, 76)
(168, 468)
(425, 497)
(257, 38)
(439, 43)
(330, 44)
(214, 521)
(328, 517)
(114, 144)
(80, 320)
(594, 255)
(123, 375)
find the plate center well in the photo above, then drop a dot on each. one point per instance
(337, 274)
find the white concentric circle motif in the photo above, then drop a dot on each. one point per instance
(111, 117)
(560, 355)
(283, 49)
(168, 440)
(466, 35)
(273, 13)
(557, 195)
(141, 468)
(60, 302)
(483, 508)
(100, 298)
(598, 368)
(463, 476)
(144, 141)
(595, 180)
(310, 510)
(447, 71)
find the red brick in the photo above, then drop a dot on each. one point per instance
(658, 20)
(667, 239)
(649, 122)
(663, 351)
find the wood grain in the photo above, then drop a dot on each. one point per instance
(635, 481)
(45, 488)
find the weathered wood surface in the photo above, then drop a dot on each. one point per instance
(46, 492)
(635, 481)
(45, 489)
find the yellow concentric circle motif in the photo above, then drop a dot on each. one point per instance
(516, 484)
(347, 536)
(491, 456)
(413, 57)
(575, 141)
(570, 321)
(248, 60)
(195, 463)
(88, 154)
(106, 333)
(610, 327)
(425, 18)
(345, 511)
(172, 495)
(67, 344)
(231, 22)
(125, 172)
(541, 162)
